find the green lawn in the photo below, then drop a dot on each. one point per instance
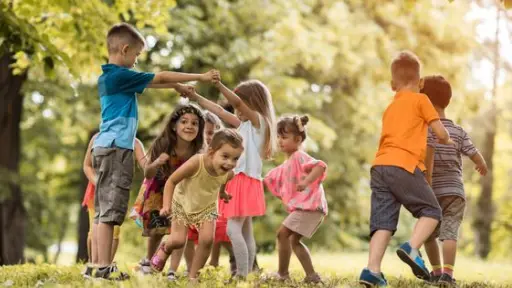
(337, 269)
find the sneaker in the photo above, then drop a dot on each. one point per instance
(417, 264)
(171, 276)
(369, 279)
(145, 266)
(433, 279)
(447, 281)
(87, 273)
(111, 273)
(313, 279)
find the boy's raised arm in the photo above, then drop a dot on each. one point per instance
(166, 77)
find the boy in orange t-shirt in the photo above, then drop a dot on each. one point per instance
(397, 174)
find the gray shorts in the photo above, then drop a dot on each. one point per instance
(453, 213)
(393, 187)
(114, 169)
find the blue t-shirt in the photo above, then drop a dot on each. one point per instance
(119, 116)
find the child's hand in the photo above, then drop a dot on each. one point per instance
(302, 185)
(210, 76)
(225, 196)
(185, 90)
(165, 211)
(482, 169)
(162, 159)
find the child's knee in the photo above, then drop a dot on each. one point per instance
(283, 233)
(175, 244)
(295, 240)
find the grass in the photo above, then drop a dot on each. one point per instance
(337, 269)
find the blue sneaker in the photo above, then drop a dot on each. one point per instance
(417, 264)
(369, 279)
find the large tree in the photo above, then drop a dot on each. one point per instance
(41, 37)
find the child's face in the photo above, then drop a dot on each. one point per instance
(209, 130)
(288, 142)
(187, 127)
(130, 54)
(225, 158)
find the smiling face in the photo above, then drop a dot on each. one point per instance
(225, 158)
(187, 127)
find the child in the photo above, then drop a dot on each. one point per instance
(212, 124)
(397, 174)
(445, 178)
(88, 202)
(193, 191)
(181, 138)
(298, 183)
(113, 147)
(255, 122)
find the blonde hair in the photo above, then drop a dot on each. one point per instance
(257, 96)
(405, 68)
(213, 119)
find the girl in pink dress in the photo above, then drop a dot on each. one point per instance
(298, 183)
(254, 120)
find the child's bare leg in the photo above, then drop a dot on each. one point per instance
(154, 241)
(284, 249)
(449, 254)
(89, 246)
(378, 245)
(190, 250)
(115, 244)
(105, 233)
(214, 257)
(206, 234)
(434, 257)
(422, 231)
(176, 259)
(302, 253)
(176, 240)
(232, 261)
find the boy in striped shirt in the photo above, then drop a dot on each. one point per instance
(444, 174)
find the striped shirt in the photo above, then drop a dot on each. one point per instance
(447, 172)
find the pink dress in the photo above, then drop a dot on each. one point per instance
(282, 182)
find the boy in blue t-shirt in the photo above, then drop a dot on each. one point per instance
(113, 147)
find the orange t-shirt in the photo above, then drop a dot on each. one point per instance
(403, 141)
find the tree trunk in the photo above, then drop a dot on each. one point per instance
(12, 212)
(484, 215)
(83, 217)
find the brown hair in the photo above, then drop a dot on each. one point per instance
(438, 90)
(122, 34)
(295, 125)
(257, 96)
(405, 68)
(213, 119)
(166, 141)
(226, 136)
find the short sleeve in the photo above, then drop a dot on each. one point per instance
(426, 109)
(467, 147)
(312, 163)
(431, 138)
(129, 81)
